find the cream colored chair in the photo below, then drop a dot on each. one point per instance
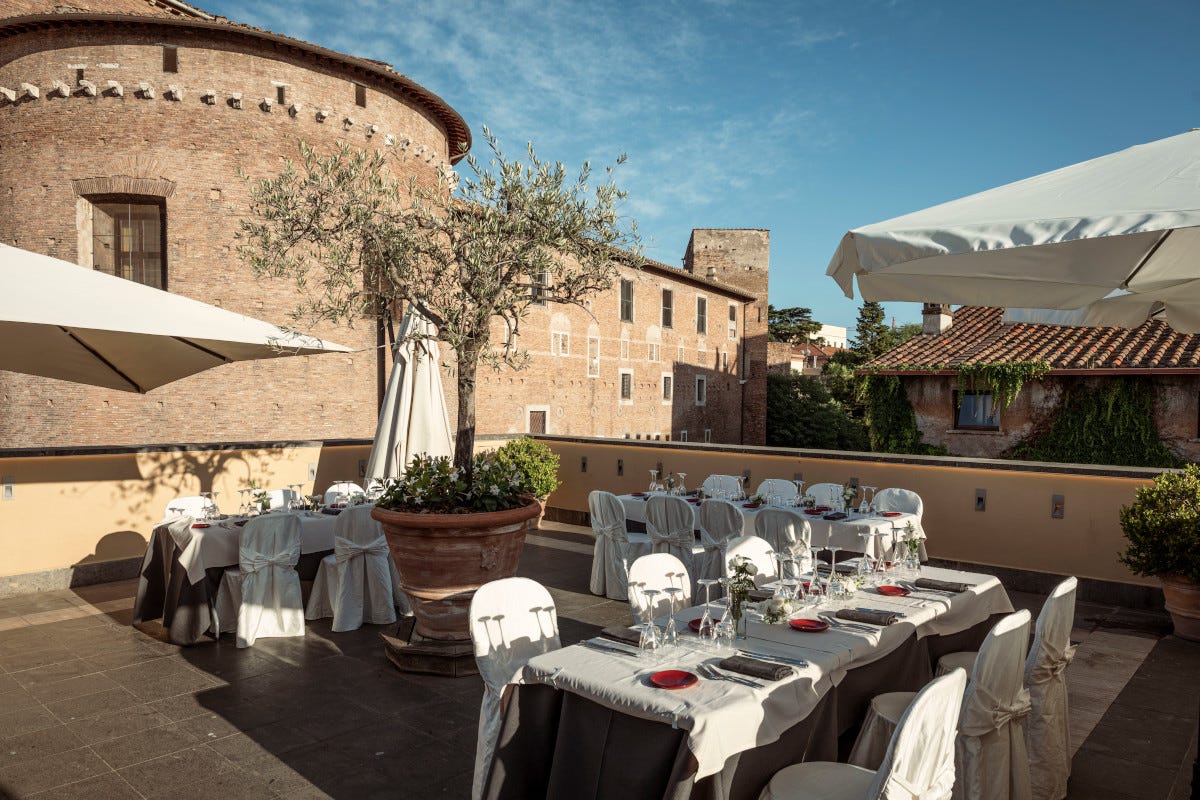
(779, 487)
(991, 761)
(720, 523)
(359, 582)
(918, 763)
(512, 620)
(670, 523)
(728, 485)
(658, 571)
(759, 553)
(615, 546)
(261, 597)
(825, 493)
(1047, 733)
(345, 487)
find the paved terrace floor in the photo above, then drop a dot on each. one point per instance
(92, 708)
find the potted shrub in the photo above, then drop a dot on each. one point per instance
(536, 466)
(1162, 527)
(470, 255)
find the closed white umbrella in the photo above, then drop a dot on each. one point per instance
(413, 418)
(60, 320)
(1114, 239)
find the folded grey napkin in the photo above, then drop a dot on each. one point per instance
(619, 633)
(333, 512)
(836, 515)
(867, 615)
(941, 586)
(760, 594)
(755, 668)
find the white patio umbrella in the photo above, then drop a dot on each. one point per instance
(1114, 240)
(60, 320)
(413, 418)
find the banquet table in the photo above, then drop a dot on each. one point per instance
(586, 722)
(182, 568)
(846, 534)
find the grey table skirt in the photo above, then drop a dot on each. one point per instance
(164, 590)
(558, 745)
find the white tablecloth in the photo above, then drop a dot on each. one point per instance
(825, 533)
(217, 545)
(724, 718)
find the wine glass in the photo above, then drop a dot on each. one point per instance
(671, 630)
(869, 502)
(682, 478)
(707, 630)
(742, 486)
(651, 636)
(242, 502)
(654, 485)
(799, 493)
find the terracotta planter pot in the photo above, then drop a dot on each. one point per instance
(444, 558)
(1183, 601)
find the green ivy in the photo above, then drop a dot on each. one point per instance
(1003, 380)
(1109, 423)
(891, 422)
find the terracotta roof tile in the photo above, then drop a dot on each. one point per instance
(977, 335)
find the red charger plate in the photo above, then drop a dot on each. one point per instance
(891, 513)
(893, 591)
(812, 512)
(201, 525)
(639, 494)
(809, 625)
(673, 679)
(751, 505)
(822, 508)
(695, 624)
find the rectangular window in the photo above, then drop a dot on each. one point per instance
(683, 436)
(593, 365)
(537, 288)
(281, 95)
(626, 385)
(725, 360)
(360, 95)
(170, 59)
(975, 411)
(668, 299)
(560, 343)
(701, 390)
(682, 354)
(537, 422)
(128, 241)
(626, 301)
(668, 388)
(653, 351)
(624, 349)
(701, 315)
(708, 435)
(732, 321)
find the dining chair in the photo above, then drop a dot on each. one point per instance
(905, 501)
(615, 546)
(343, 487)
(759, 552)
(779, 487)
(1047, 733)
(261, 597)
(918, 763)
(193, 506)
(720, 522)
(671, 523)
(728, 485)
(991, 760)
(784, 529)
(358, 583)
(824, 493)
(658, 571)
(282, 498)
(512, 620)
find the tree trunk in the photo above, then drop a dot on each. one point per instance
(464, 438)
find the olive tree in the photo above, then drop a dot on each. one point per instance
(464, 251)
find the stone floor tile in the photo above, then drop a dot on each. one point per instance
(91, 705)
(146, 745)
(34, 679)
(29, 746)
(31, 659)
(170, 772)
(115, 724)
(51, 772)
(106, 786)
(15, 698)
(234, 784)
(1095, 775)
(88, 683)
(26, 720)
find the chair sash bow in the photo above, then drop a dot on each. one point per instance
(255, 562)
(988, 714)
(615, 532)
(1051, 665)
(346, 550)
(937, 789)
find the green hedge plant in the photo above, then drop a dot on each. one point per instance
(535, 464)
(1162, 527)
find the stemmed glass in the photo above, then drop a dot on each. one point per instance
(296, 501)
(707, 630)
(651, 636)
(654, 484)
(242, 507)
(742, 484)
(869, 502)
(799, 493)
(725, 634)
(671, 630)
(682, 477)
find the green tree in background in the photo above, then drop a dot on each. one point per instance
(872, 336)
(791, 325)
(802, 413)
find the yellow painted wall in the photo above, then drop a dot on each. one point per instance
(1016, 529)
(68, 510)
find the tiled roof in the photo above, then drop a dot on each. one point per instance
(977, 335)
(16, 8)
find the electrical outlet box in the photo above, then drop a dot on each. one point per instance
(981, 499)
(583, 464)
(312, 472)
(620, 467)
(362, 468)
(1057, 503)
(8, 487)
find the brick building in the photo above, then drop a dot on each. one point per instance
(968, 423)
(124, 125)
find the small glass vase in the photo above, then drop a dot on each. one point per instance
(740, 621)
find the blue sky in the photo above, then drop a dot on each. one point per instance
(807, 118)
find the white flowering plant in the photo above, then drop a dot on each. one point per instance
(776, 610)
(849, 492)
(434, 485)
(740, 583)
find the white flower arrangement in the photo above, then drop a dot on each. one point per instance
(776, 610)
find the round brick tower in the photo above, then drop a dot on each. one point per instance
(121, 141)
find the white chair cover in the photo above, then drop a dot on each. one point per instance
(918, 764)
(192, 506)
(727, 484)
(904, 501)
(261, 598)
(670, 522)
(512, 620)
(1047, 732)
(759, 552)
(281, 497)
(784, 529)
(720, 521)
(825, 493)
(359, 583)
(658, 571)
(779, 487)
(345, 487)
(615, 546)
(990, 758)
